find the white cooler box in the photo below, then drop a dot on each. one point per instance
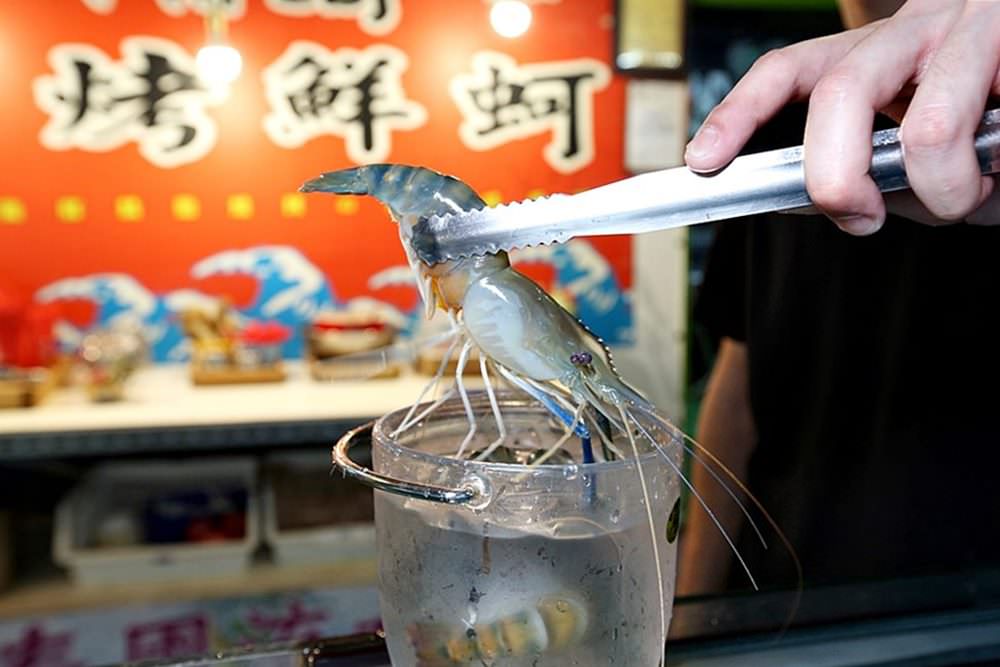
(312, 516)
(110, 502)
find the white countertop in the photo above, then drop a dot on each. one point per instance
(164, 396)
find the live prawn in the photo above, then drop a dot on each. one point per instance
(524, 338)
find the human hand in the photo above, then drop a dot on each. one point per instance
(932, 66)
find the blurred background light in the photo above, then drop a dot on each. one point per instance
(510, 18)
(218, 64)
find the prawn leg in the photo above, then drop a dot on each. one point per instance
(501, 429)
(604, 431)
(577, 426)
(463, 358)
(429, 409)
(406, 423)
(561, 441)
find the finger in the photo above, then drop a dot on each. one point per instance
(988, 212)
(938, 130)
(838, 149)
(776, 79)
(905, 204)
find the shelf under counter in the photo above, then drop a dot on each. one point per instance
(163, 410)
(58, 595)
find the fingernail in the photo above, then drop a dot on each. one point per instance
(859, 225)
(704, 141)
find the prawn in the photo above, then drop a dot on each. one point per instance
(528, 339)
(551, 624)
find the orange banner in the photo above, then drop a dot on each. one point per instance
(131, 188)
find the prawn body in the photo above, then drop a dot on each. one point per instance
(517, 323)
(506, 315)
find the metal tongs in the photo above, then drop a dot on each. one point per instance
(750, 184)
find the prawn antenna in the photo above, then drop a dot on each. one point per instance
(701, 501)
(759, 505)
(652, 537)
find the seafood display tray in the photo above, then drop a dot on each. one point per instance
(26, 392)
(220, 375)
(164, 412)
(334, 368)
(428, 361)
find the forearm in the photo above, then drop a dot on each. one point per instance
(725, 428)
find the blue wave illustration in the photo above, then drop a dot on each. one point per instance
(291, 290)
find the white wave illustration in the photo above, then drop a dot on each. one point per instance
(301, 283)
(381, 309)
(394, 276)
(109, 290)
(191, 299)
(578, 254)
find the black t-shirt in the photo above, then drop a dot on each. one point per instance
(874, 364)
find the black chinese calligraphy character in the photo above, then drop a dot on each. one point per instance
(154, 105)
(502, 102)
(354, 94)
(319, 97)
(81, 102)
(374, 16)
(503, 95)
(151, 96)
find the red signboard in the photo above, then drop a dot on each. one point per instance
(125, 181)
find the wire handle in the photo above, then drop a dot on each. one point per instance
(341, 458)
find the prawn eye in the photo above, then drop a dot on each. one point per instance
(581, 358)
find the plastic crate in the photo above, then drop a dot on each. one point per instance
(313, 517)
(128, 487)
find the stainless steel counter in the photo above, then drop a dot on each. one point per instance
(951, 638)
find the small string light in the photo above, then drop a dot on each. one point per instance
(510, 18)
(218, 63)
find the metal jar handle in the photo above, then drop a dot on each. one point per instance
(438, 494)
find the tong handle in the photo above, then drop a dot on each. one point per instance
(774, 181)
(887, 168)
